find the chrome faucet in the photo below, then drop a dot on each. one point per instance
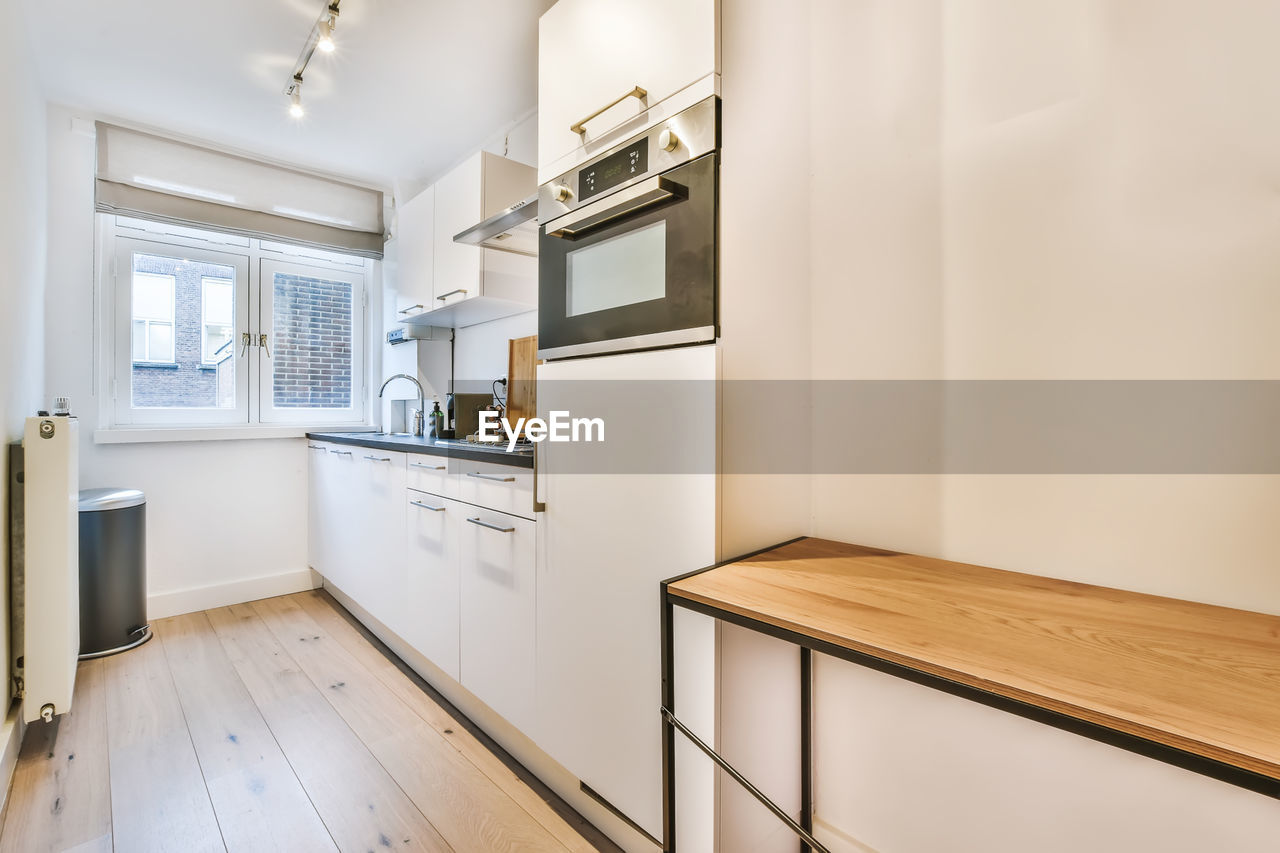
(422, 400)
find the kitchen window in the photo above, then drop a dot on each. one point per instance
(219, 330)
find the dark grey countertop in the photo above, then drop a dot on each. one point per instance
(499, 455)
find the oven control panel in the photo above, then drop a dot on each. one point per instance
(683, 137)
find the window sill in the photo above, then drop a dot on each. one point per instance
(148, 435)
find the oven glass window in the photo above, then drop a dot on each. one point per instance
(622, 270)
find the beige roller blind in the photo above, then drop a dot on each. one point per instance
(151, 177)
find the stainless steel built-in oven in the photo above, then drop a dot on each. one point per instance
(627, 243)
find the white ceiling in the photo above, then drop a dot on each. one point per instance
(413, 87)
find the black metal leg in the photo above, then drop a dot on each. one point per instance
(806, 745)
(668, 729)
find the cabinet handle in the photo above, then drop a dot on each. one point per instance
(315, 447)
(429, 467)
(378, 458)
(477, 521)
(494, 477)
(580, 127)
(451, 292)
(341, 452)
(428, 506)
(410, 308)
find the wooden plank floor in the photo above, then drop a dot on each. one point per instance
(270, 726)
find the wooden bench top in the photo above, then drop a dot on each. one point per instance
(1195, 677)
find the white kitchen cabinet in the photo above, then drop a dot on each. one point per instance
(373, 554)
(499, 487)
(429, 621)
(593, 52)
(318, 473)
(498, 611)
(415, 239)
(484, 184)
(433, 474)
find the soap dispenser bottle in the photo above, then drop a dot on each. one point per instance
(436, 424)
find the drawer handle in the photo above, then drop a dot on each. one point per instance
(378, 458)
(341, 452)
(314, 447)
(428, 506)
(410, 308)
(497, 478)
(580, 127)
(451, 292)
(429, 467)
(491, 526)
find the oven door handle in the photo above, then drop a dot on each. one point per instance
(622, 204)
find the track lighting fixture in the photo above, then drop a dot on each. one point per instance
(295, 98)
(320, 38)
(325, 42)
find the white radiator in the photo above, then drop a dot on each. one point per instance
(46, 571)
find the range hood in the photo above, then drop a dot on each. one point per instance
(512, 230)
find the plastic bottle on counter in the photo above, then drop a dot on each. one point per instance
(435, 423)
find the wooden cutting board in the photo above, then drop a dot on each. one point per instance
(522, 361)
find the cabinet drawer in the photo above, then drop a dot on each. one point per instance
(432, 474)
(499, 487)
(498, 607)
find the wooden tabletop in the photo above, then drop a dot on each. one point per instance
(1196, 677)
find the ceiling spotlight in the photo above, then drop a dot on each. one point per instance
(325, 43)
(295, 98)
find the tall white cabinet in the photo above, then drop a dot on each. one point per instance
(592, 53)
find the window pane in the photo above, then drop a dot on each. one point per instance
(219, 294)
(173, 364)
(152, 294)
(139, 340)
(160, 342)
(311, 343)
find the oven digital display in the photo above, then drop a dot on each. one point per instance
(617, 168)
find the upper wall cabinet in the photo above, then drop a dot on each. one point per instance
(461, 284)
(415, 232)
(593, 55)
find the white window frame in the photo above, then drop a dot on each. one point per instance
(269, 413)
(120, 236)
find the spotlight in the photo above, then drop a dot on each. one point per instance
(325, 43)
(295, 98)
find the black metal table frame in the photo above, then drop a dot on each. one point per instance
(803, 828)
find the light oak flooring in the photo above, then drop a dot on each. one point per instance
(279, 725)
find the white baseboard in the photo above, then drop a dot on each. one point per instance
(198, 598)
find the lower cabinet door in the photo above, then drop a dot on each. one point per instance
(498, 568)
(429, 620)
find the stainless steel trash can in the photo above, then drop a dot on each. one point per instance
(113, 571)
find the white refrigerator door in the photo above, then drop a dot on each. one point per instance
(606, 540)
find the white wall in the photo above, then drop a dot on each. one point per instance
(23, 231)
(1029, 189)
(226, 520)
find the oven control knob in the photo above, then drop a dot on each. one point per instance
(667, 140)
(562, 193)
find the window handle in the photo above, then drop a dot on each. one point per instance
(262, 342)
(247, 340)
